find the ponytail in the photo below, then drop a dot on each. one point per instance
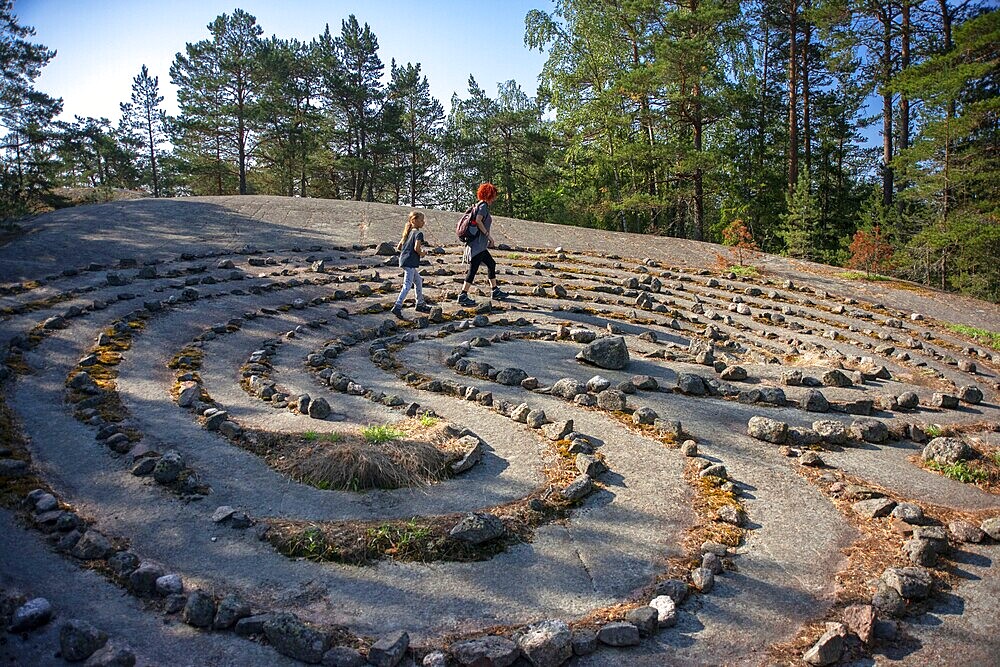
(407, 228)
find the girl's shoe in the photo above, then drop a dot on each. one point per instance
(422, 308)
(397, 311)
(499, 294)
(464, 300)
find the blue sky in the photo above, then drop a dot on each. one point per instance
(102, 44)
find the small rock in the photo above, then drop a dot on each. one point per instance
(389, 649)
(558, 430)
(92, 546)
(199, 610)
(478, 528)
(947, 451)
(970, 394)
(944, 401)
(78, 640)
(910, 513)
(887, 601)
(689, 448)
(32, 614)
(964, 531)
(666, 611)
(584, 641)
(768, 430)
(170, 584)
(111, 656)
(609, 352)
(703, 579)
(578, 488)
(290, 636)
(912, 583)
(835, 378)
(828, 649)
(643, 618)
(618, 633)
(644, 415)
(992, 528)
(492, 650)
(874, 507)
(812, 459)
(546, 643)
(732, 515)
(860, 618)
(869, 430)
(612, 400)
(833, 432)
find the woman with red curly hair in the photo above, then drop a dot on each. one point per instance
(477, 251)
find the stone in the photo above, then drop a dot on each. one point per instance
(668, 427)
(32, 614)
(520, 413)
(666, 611)
(835, 378)
(874, 508)
(491, 650)
(546, 643)
(46, 503)
(473, 448)
(703, 579)
(907, 400)
(912, 583)
(384, 249)
(169, 584)
(578, 488)
(189, 393)
(831, 431)
(618, 633)
(689, 383)
(675, 589)
(612, 400)
(887, 601)
(814, 401)
(13, 468)
(689, 448)
(558, 430)
(768, 430)
(609, 352)
(290, 636)
(944, 401)
(590, 465)
(970, 394)
(343, 656)
(734, 374)
(869, 430)
(714, 470)
(169, 467)
(111, 656)
(860, 619)
(584, 641)
(921, 551)
(567, 388)
(92, 546)
(199, 610)
(124, 563)
(213, 421)
(947, 451)
(644, 415)
(435, 659)
(645, 382)
(645, 619)
(388, 651)
(598, 383)
(791, 378)
(811, 459)
(78, 640)
(711, 562)
(231, 609)
(319, 408)
(828, 648)
(511, 377)
(963, 531)
(477, 528)
(992, 528)
(732, 515)
(910, 513)
(536, 419)
(251, 625)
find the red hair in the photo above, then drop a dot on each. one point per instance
(486, 192)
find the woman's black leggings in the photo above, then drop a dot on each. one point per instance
(482, 258)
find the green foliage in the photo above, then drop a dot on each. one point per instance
(934, 431)
(376, 434)
(799, 229)
(428, 420)
(860, 275)
(961, 471)
(988, 338)
(745, 271)
(401, 539)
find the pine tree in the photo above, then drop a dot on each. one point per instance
(799, 225)
(421, 117)
(145, 123)
(25, 114)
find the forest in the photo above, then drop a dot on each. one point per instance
(857, 133)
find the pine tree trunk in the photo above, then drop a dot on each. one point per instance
(793, 116)
(806, 130)
(887, 175)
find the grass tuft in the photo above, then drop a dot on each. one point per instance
(988, 338)
(960, 472)
(381, 433)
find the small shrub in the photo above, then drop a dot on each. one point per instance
(988, 338)
(427, 420)
(934, 431)
(381, 433)
(310, 436)
(870, 251)
(960, 472)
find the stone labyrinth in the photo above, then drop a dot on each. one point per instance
(230, 453)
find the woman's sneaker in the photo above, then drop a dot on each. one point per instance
(422, 308)
(499, 294)
(397, 311)
(464, 300)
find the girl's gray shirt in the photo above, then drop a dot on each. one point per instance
(480, 241)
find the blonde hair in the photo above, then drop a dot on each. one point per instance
(409, 226)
